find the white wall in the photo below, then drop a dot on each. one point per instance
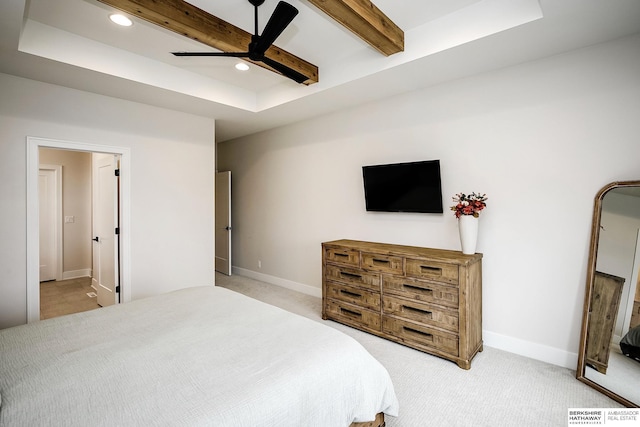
(540, 139)
(172, 172)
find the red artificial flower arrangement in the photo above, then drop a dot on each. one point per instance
(470, 204)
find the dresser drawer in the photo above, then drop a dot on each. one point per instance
(352, 315)
(353, 295)
(432, 270)
(420, 290)
(383, 263)
(353, 276)
(343, 256)
(412, 333)
(420, 312)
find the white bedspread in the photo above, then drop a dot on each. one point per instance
(203, 356)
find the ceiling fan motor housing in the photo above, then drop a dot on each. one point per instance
(254, 55)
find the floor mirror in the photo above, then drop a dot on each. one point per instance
(612, 299)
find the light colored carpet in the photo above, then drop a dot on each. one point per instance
(623, 375)
(500, 389)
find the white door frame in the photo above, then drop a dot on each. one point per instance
(57, 231)
(33, 234)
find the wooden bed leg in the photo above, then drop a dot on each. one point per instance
(378, 422)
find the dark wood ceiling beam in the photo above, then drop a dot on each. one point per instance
(365, 20)
(187, 20)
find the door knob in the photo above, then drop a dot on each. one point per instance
(228, 228)
(95, 239)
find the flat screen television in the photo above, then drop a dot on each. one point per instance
(403, 187)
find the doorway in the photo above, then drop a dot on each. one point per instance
(33, 213)
(86, 276)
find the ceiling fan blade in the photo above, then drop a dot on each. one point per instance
(285, 71)
(280, 19)
(232, 54)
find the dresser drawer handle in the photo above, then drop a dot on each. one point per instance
(350, 294)
(351, 313)
(417, 310)
(380, 261)
(431, 270)
(350, 275)
(418, 289)
(339, 255)
(415, 331)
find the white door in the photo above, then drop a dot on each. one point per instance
(223, 222)
(105, 221)
(47, 202)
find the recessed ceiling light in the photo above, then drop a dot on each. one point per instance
(242, 66)
(120, 20)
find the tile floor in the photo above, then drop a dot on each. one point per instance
(58, 298)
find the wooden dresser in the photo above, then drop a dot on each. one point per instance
(427, 299)
(635, 315)
(605, 301)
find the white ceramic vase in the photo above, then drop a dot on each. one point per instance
(468, 228)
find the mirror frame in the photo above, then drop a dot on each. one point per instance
(591, 269)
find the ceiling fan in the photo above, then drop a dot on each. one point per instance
(279, 20)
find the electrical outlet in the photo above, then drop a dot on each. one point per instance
(259, 264)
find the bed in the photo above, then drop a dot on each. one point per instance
(203, 356)
(630, 343)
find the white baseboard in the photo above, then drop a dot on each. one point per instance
(501, 342)
(532, 350)
(289, 284)
(74, 274)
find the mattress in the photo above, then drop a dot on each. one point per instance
(203, 356)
